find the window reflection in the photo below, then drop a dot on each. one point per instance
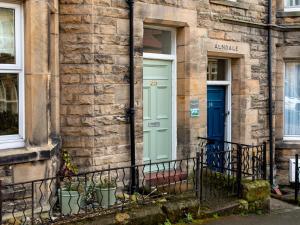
(292, 99)
(7, 36)
(216, 69)
(157, 41)
(9, 104)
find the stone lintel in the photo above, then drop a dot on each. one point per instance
(282, 14)
(239, 5)
(288, 145)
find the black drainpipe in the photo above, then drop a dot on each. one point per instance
(270, 102)
(131, 111)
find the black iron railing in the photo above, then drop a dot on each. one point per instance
(237, 161)
(249, 160)
(213, 175)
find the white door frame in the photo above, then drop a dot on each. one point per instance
(172, 59)
(227, 84)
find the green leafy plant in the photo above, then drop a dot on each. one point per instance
(107, 182)
(67, 168)
(189, 218)
(67, 172)
(167, 222)
(216, 216)
(71, 185)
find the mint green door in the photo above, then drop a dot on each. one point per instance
(157, 110)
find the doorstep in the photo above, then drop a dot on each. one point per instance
(165, 177)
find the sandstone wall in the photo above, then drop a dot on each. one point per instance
(287, 48)
(41, 87)
(94, 72)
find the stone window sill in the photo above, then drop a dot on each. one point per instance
(239, 5)
(29, 154)
(282, 14)
(288, 145)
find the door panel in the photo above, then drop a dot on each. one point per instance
(216, 112)
(215, 125)
(147, 106)
(147, 146)
(162, 105)
(163, 144)
(157, 110)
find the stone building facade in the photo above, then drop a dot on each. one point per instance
(189, 54)
(287, 56)
(94, 70)
(29, 35)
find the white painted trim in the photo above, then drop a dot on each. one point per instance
(283, 107)
(174, 108)
(221, 82)
(291, 138)
(173, 59)
(16, 141)
(159, 56)
(229, 102)
(292, 9)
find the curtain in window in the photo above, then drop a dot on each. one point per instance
(292, 99)
(7, 36)
(9, 112)
(291, 3)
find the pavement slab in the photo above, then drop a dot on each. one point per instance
(281, 214)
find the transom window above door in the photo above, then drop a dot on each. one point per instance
(157, 41)
(292, 5)
(216, 70)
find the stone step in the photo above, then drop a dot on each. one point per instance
(165, 177)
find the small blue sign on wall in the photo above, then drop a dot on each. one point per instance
(194, 108)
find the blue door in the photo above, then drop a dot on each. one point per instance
(215, 126)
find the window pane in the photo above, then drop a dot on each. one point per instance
(216, 69)
(7, 36)
(292, 99)
(157, 41)
(9, 112)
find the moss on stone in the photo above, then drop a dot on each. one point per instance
(178, 210)
(122, 218)
(256, 190)
(243, 205)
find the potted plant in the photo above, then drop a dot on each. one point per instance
(70, 197)
(106, 192)
(71, 191)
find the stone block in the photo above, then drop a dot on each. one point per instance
(29, 171)
(256, 190)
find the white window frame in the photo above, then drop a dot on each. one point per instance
(16, 140)
(173, 58)
(288, 8)
(287, 137)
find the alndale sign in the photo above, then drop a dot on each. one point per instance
(226, 47)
